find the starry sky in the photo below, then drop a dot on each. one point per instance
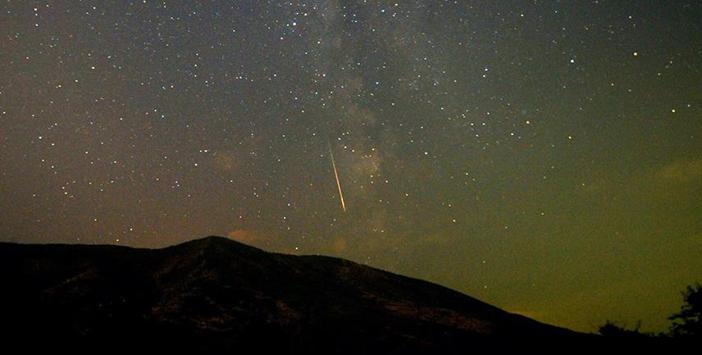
(542, 156)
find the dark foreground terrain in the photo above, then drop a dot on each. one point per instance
(216, 294)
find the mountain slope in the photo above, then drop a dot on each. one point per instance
(217, 294)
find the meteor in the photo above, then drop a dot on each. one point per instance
(336, 175)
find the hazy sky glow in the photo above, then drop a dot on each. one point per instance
(542, 156)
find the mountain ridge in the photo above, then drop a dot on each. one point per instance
(214, 293)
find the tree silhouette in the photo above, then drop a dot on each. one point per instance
(688, 322)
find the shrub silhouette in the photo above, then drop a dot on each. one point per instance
(611, 329)
(688, 322)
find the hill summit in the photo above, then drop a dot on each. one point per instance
(215, 294)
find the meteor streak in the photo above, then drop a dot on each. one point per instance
(336, 175)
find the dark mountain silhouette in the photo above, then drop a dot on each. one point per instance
(217, 294)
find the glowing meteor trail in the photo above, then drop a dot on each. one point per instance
(336, 175)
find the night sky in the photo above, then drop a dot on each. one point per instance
(542, 156)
